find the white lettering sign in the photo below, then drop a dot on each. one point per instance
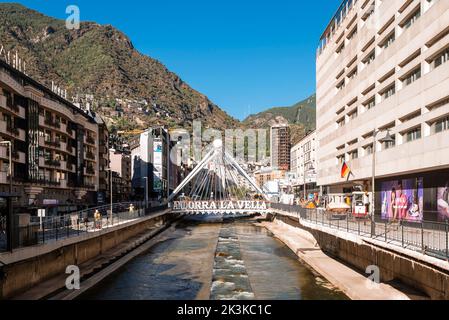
(244, 205)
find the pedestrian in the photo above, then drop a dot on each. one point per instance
(97, 217)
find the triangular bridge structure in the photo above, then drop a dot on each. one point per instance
(218, 185)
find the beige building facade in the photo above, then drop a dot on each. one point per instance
(55, 147)
(384, 65)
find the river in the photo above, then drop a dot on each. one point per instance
(200, 259)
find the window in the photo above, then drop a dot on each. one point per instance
(389, 41)
(410, 21)
(354, 154)
(368, 150)
(353, 115)
(441, 59)
(413, 135)
(341, 123)
(370, 58)
(389, 92)
(353, 74)
(412, 77)
(442, 125)
(341, 85)
(370, 104)
(340, 158)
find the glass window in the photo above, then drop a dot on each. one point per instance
(413, 135)
(442, 125)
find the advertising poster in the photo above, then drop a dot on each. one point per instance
(157, 163)
(443, 202)
(403, 200)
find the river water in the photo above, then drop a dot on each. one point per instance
(199, 259)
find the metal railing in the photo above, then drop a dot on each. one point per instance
(427, 237)
(55, 228)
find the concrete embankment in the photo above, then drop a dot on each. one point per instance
(343, 259)
(36, 272)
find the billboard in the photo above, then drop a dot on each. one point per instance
(443, 202)
(157, 164)
(403, 200)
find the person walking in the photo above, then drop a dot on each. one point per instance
(97, 218)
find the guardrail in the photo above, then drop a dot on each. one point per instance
(54, 228)
(427, 237)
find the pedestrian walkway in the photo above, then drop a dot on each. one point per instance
(352, 283)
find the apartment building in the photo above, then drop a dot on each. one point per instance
(268, 174)
(280, 146)
(121, 174)
(150, 164)
(55, 146)
(303, 163)
(383, 65)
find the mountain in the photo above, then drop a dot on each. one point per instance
(128, 88)
(301, 117)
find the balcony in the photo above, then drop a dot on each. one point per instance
(90, 155)
(90, 140)
(54, 144)
(69, 131)
(13, 131)
(51, 123)
(89, 170)
(4, 177)
(53, 163)
(63, 183)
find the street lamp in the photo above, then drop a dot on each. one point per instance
(146, 191)
(387, 139)
(10, 163)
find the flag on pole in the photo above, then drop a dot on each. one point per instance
(345, 171)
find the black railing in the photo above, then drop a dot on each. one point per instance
(12, 130)
(56, 228)
(90, 140)
(53, 163)
(90, 155)
(427, 237)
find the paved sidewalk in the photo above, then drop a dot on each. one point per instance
(352, 283)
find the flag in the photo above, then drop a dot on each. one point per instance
(345, 171)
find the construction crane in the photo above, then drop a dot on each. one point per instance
(134, 132)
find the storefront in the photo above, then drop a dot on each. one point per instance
(415, 198)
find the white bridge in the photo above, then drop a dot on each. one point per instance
(219, 185)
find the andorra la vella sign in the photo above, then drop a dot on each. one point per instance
(225, 206)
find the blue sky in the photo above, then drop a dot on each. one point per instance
(246, 55)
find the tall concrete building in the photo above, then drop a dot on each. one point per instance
(150, 164)
(56, 153)
(280, 147)
(383, 65)
(303, 163)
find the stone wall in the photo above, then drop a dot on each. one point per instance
(52, 259)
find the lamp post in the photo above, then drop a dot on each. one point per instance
(388, 138)
(146, 191)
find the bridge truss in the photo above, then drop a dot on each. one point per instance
(218, 185)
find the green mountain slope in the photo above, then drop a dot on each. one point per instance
(301, 117)
(99, 60)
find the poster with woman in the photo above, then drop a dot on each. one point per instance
(403, 200)
(443, 202)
